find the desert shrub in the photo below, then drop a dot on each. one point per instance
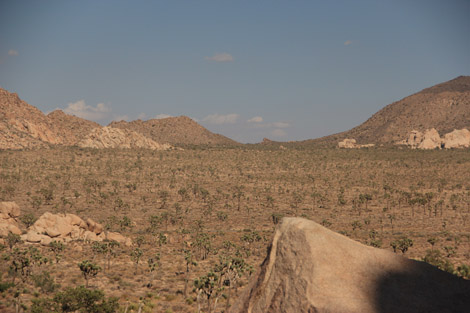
(45, 282)
(434, 257)
(28, 219)
(79, 299)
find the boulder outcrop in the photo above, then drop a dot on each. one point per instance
(9, 212)
(110, 137)
(428, 140)
(312, 269)
(351, 144)
(67, 227)
(457, 139)
(431, 140)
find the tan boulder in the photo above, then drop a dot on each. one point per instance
(9, 209)
(113, 236)
(312, 269)
(413, 140)
(91, 236)
(67, 227)
(54, 225)
(32, 236)
(74, 220)
(94, 226)
(347, 143)
(45, 241)
(430, 140)
(457, 139)
(7, 227)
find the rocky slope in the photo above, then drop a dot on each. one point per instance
(444, 107)
(71, 128)
(179, 130)
(110, 137)
(312, 269)
(22, 125)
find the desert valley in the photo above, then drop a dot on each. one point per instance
(163, 215)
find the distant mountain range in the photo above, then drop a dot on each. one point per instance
(444, 107)
(24, 126)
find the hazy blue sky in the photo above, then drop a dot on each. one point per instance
(286, 70)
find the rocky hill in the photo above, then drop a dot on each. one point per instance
(312, 269)
(22, 125)
(110, 137)
(179, 130)
(71, 128)
(444, 107)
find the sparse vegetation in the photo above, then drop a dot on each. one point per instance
(209, 213)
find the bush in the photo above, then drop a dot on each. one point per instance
(45, 282)
(78, 299)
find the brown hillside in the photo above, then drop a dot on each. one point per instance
(179, 130)
(444, 107)
(71, 128)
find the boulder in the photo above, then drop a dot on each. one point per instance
(91, 236)
(45, 241)
(113, 236)
(413, 140)
(312, 269)
(53, 225)
(347, 143)
(7, 227)
(67, 227)
(9, 209)
(457, 139)
(94, 226)
(74, 220)
(32, 236)
(430, 140)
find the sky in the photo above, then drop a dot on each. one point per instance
(284, 70)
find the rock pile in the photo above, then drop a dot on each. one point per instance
(110, 137)
(67, 227)
(457, 139)
(9, 212)
(351, 144)
(312, 269)
(431, 139)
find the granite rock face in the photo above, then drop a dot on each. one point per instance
(312, 269)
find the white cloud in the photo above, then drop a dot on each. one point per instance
(221, 57)
(271, 125)
(83, 110)
(142, 116)
(347, 42)
(121, 118)
(280, 125)
(160, 116)
(221, 119)
(278, 133)
(256, 119)
(13, 52)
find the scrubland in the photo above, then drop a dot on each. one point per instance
(201, 219)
